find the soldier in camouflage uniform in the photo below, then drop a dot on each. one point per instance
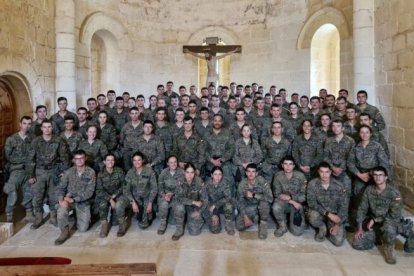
(119, 114)
(351, 123)
(93, 111)
(70, 136)
(18, 166)
(373, 111)
(203, 125)
(324, 130)
(59, 117)
(109, 187)
(75, 192)
(50, 157)
(41, 115)
(95, 149)
(274, 148)
(189, 147)
(191, 201)
(328, 206)
(107, 132)
(276, 116)
(336, 152)
(254, 200)
(152, 147)
(235, 127)
(307, 150)
(365, 119)
(82, 114)
(129, 135)
(163, 130)
(289, 193)
(140, 191)
(168, 182)
(379, 216)
(220, 201)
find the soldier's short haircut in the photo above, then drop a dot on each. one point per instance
(259, 98)
(93, 125)
(293, 103)
(140, 154)
(247, 86)
(225, 87)
(215, 96)
(324, 164)
(46, 121)
(247, 97)
(240, 86)
(204, 97)
(364, 114)
(161, 109)
(125, 93)
(277, 123)
(240, 109)
(82, 108)
(140, 96)
(152, 96)
(211, 85)
(351, 107)
(160, 86)
(218, 115)
(251, 166)
(306, 120)
(275, 105)
(79, 152)
(119, 98)
(326, 114)
(192, 102)
(363, 92)
(255, 83)
(287, 158)
(62, 99)
(188, 118)
(179, 110)
(268, 95)
(204, 109)
(109, 154)
(282, 89)
(91, 100)
(380, 169)
(185, 96)
(305, 97)
(171, 156)
(69, 118)
(182, 87)
(25, 118)
(216, 168)
(40, 107)
(343, 90)
(294, 94)
(273, 86)
(170, 82)
(367, 127)
(231, 98)
(338, 121)
(315, 98)
(134, 108)
(330, 96)
(174, 96)
(110, 92)
(341, 98)
(103, 112)
(148, 122)
(100, 96)
(189, 165)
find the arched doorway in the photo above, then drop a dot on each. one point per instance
(325, 60)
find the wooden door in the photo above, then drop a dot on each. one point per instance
(7, 118)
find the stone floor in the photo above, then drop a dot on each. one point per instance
(207, 254)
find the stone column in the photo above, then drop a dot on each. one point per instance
(364, 44)
(65, 52)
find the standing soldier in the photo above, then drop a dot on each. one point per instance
(168, 182)
(119, 114)
(364, 107)
(18, 166)
(41, 115)
(107, 132)
(59, 117)
(140, 191)
(129, 135)
(379, 216)
(328, 206)
(289, 192)
(254, 199)
(51, 158)
(70, 136)
(95, 149)
(75, 192)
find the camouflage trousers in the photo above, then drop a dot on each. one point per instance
(101, 207)
(316, 220)
(195, 219)
(256, 212)
(268, 170)
(164, 207)
(346, 181)
(144, 218)
(126, 158)
(281, 209)
(18, 181)
(227, 210)
(45, 186)
(387, 232)
(82, 212)
(227, 174)
(356, 196)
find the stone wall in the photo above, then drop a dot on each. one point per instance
(27, 47)
(394, 59)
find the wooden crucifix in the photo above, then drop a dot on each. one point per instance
(212, 52)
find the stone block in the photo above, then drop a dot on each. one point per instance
(407, 195)
(399, 42)
(6, 231)
(403, 96)
(64, 40)
(403, 114)
(399, 174)
(65, 69)
(409, 139)
(404, 157)
(67, 55)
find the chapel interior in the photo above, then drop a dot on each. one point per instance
(81, 48)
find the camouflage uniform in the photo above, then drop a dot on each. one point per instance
(18, 165)
(333, 200)
(139, 187)
(108, 184)
(288, 131)
(220, 197)
(295, 187)
(36, 128)
(202, 130)
(95, 153)
(385, 208)
(167, 183)
(83, 128)
(322, 134)
(256, 208)
(272, 155)
(164, 133)
(336, 155)
(119, 118)
(250, 153)
(307, 153)
(93, 118)
(108, 137)
(154, 151)
(51, 158)
(259, 121)
(235, 130)
(128, 137)
(175, 130)
(185, 195)
(296, 123)
(80, 189)
(351, 130)
(60, 121)
(72, 141)
(191, 149)
(375, 114)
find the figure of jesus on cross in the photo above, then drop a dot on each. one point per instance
(212, 52)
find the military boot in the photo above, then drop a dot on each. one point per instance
(105, 226)
(389, 254)
(262, 230)
(279, 232)
(9, 218)
(320, 237)
(29, 216)
(179, 232)
(409, 243)
(53, 218)
(163, 227)
(229, 226)
(143, 224)
(122, 227)
(64, 235)
(38, 221)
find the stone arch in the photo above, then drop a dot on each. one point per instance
(327, 15)
(228, 37)
(117, 43)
